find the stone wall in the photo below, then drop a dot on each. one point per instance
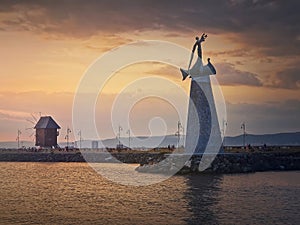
(140, 158)
(223, 163)
(229, 163)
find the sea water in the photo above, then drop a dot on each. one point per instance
(73, 193)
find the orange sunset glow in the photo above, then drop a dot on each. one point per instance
(46, 47)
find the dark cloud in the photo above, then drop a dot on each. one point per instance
(229, 75)
(232, 53)
(285, 79)
(269, 26)
(288, 79)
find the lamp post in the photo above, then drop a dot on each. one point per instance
(67, 136)
(243, 127)
(18, 137)
(80, 139)
(128, 132)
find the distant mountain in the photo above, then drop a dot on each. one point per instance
(14, 144)
(280, 139)
(136, 142)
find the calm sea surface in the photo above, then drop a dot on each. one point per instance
(73, 193)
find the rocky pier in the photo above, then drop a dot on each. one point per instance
(151, 162)
(226, 163)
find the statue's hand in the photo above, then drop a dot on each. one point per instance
(203, 37)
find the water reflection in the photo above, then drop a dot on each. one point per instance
(73, 193)
(202, 194)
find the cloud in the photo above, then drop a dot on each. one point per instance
(13, 115)
(35, 101)
(161, 69)
(229, 75)
(268, 26)
(232, 53)
(288, 79)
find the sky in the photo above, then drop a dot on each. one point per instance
(46, 47)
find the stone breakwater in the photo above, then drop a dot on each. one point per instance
(165, 163)
(101, 157)
(225, 163)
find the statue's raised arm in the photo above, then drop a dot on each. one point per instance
(198, 46)
(198, 69)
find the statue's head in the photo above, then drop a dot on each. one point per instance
(197, 38)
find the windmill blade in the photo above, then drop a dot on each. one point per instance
(34, 118)
(33, 135)
(30, 121)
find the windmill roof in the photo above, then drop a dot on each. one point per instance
(46, 122)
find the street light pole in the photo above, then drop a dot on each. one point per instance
(67, 136)
(224, 126)
(18, 137)
(79, 133)
(243, 127)
(128, 132)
